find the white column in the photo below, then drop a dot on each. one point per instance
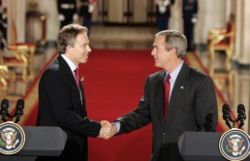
(242, 94)
(140, 11)
(16, 20)
(242, 55)
(175, 21)
(211, 14)
(49, 8)
(95, 15)
(115, 11)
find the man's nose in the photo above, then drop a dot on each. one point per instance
(153, 52)
(89, 49)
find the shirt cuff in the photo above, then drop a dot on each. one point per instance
(117, 125)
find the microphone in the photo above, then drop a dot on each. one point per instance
(226, 115)
(19, 110)
(4, 110)
(241, 114)
(208, 122)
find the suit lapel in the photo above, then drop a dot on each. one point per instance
(159, 96)
(83, 98)
(68, 74)
(177, 91)
(78, 93)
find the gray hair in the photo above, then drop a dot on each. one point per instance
(174, 39)
(67, 36)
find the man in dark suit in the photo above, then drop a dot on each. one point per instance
(3, 26)
(189, 14)
(163, 10)
(176, 99)
(67, 11)
(86, 10)
(61, 96)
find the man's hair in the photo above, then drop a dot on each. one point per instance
(67, 36)
(174, 39)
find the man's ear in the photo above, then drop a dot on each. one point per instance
(173, 50)
(68, 48)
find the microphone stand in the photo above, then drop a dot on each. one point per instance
(5, 113)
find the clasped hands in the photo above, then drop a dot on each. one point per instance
(107, 131)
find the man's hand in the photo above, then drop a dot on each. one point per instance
(61, 17)
(107, 131)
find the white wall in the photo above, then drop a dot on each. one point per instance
(16, 20)
(242, 54)
(212, 14)
(49, 7)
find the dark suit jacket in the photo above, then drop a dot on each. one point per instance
(192, 98)
(84, 8)
(67, 12)
(60, 105)
(167, 13)
(189, 9)
(62, 10)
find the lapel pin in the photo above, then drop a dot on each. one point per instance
(182, 87)
(82, 79)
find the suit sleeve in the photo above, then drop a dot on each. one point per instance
(172, 1)
(60, 100)
(195, 7)
(205, 103)
(59, 7)
(138, 118)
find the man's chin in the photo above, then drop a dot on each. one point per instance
(84, 60)
(157, 64)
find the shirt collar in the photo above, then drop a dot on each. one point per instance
(69, 62)
(175, 72)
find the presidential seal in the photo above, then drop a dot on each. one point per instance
(12, 138)
(234, 144)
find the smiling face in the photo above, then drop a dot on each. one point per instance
(79, 52)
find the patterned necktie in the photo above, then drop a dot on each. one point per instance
(77, 77)
(166, 96)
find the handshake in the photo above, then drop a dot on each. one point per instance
(108, 130)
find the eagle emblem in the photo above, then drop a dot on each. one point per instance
(12, 138)
(8, 136)
(234, 144)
